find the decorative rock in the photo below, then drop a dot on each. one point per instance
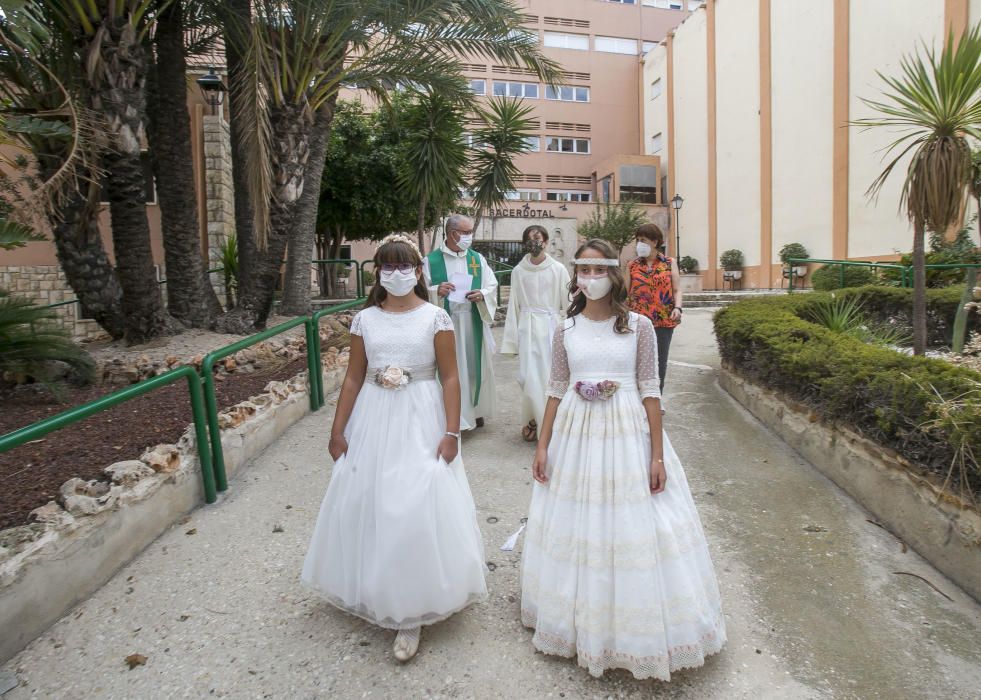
(279, 391)
(163, 458)
(128, 472)
(171, 360)
(87, 497)
(50, 512)
(229, 364)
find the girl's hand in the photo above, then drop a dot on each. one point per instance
(449, 448)
(659, 477)
(337, 447)
(676, 315)
(539, 465)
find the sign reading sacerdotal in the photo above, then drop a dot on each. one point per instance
(525, 212)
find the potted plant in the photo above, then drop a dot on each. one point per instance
(731, 262)
(691, 281)
(793, 251)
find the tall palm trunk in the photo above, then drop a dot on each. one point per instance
(292, 127)
(919, 289)
(421, 227)
(87, 268)
(190, 296)
(120, 95)
(302, 241)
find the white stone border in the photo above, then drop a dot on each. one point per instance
(942, 528)
(49, 566)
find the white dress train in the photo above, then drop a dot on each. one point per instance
(396, 541)
(611, 574)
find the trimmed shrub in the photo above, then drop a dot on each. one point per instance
(826, 278)
(887, 396)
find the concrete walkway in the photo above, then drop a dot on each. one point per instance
(813, 608)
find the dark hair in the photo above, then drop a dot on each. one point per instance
(619, 291)
(532, 229)
(652, 233)
(395, 252)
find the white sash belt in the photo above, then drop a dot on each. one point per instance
(553, 321)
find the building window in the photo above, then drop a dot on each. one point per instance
(559, 144)
(656, 89)
(560, 40)
(471, 140)
(478, 86)
(647, 46)
(523, 195)
(605, 185)
(567, 93)
(502, 89)
(656, 143)
(612, 44)
(624, 2)
(465, 193)
(567, 196)
(149, 186)
(671, 4)
(534, 144)
(638, 183)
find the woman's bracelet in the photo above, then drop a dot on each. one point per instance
(452, 434)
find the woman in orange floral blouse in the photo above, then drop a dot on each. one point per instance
(655, 290)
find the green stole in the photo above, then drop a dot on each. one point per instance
(437, 274)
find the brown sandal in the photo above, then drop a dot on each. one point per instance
(530, 431)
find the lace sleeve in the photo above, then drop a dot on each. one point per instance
(648, 380)
(356, 324)
(443, 322)
(558, 382)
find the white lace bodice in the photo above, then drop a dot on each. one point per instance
(592, 350)
(400, 339)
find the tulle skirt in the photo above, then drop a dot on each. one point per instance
(611, 574)
(396, 541)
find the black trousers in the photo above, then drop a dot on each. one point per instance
(663, 347)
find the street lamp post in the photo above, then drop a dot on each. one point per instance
(676, 203)
(212, 88)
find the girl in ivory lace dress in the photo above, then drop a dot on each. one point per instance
(396, 541)
(615, 569)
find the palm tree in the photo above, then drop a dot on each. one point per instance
(435, 155)
(190, 296)
(46, 121)
(292, 57)
(111, 65)
(936, 105)
(508, 128)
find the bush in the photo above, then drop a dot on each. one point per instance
(792, 250)
(688, 264)
(961, 250)
(887, 396)
(826, 278)
(731, 260)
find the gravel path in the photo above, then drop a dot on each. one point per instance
(813, 610)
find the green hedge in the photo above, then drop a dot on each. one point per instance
(883, 394)
(826, 278)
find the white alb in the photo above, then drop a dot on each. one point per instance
(396, 541)
(611, 574)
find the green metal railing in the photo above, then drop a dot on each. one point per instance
(73, 415)
(315, 326)
(905, 271)
(211, 399)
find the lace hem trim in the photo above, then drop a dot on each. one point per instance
(388, 623)
(658, 666)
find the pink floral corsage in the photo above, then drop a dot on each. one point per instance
(392, 377)
(597, 391)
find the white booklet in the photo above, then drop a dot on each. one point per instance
(462, 283)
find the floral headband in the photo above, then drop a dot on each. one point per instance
(611, 262)
(400, 238)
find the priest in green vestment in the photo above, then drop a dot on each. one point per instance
(472, 310)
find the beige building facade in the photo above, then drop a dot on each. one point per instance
(748, 102)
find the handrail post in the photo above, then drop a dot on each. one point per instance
(790, 276)
(201, 436)
(313, 363)
(211, 404)
(841, 277)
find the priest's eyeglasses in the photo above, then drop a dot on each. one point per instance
(401, 267)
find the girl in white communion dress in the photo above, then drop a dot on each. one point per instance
(396, 541)
(615, 570)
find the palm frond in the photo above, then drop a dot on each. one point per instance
(14, 235)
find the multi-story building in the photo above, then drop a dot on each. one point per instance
(749, 103)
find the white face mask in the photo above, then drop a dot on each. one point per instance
(643, 250)
(465, 241)
(397, 283)
(594, 287)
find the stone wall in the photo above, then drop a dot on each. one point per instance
(47, 284)
(220, 193)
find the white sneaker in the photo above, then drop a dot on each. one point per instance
(406, 643)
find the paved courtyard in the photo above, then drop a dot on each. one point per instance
(813, 607)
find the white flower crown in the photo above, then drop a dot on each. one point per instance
(400, 238)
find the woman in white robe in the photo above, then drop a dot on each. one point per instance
(539, 295)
